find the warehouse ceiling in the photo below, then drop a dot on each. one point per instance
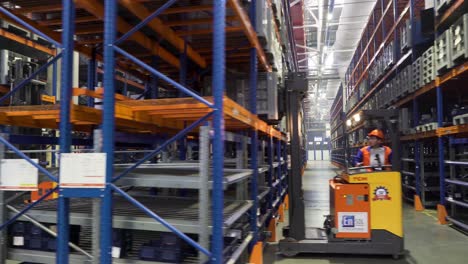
(332, 29)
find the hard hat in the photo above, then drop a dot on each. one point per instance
(376, 133)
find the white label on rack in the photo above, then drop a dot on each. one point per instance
(18, 175)
(116, 252)
(18, 241)
(82, 170)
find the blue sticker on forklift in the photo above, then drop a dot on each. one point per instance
(381, 193)
(353, 222)
(348, 221)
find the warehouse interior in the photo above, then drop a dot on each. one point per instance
(233, 131)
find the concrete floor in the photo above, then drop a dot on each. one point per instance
(426, 241)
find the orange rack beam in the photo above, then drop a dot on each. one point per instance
(451, 130)
(136, 116)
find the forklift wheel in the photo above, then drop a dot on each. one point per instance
(286, 250)
(289, 253)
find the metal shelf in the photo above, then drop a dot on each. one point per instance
(180, 212)
(177, 177)
(264, 218)
(264, 192)
(275, 183)
(139, 238)
(450, 13)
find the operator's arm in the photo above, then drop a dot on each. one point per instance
(358, 158)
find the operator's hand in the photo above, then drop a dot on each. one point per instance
(359, 164)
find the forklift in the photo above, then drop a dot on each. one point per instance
(365, 202)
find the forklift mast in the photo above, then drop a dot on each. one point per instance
(296, 86)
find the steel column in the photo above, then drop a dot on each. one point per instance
(3, 213)
(279, 168)
(63, 217)
(92, 69)
(154, 79)
(183, 69)
(440, 141)
(382, 6)
(417, 148)
(270, 170)
(219, 35)
(204, 192)
(254, 133)
(110, 14)
(183, 81)
(54, 79)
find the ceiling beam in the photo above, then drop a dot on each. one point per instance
(97, 9)
(89, 30)
(38, 9)
(166, 32)
(58, 21)
(198, 21)
(206, 31)
(187, 9)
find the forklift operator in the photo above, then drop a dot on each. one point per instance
(375, 154)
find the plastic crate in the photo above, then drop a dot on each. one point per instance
(121, 243)
(459, 33)
(389, 56)
(417, 74)
(405, 36)
(441, 6)
(443, 52)
(406, 82)
(428, 66)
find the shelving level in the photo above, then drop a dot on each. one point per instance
(143, 110)
(338, 137)
(402, 62)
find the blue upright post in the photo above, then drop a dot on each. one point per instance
(382, 6)
(125, 88)
(417, 149)
(92, 76)
(396, 44)
(321, 151)
(279, 168)
(440, 140)
(315, 154)
(183, 69)
(110, 14)
(54, 79)
(373, 26)
(68, 32)
(154, 79)
(254, 133)
(183, 81)
(54, 94)
(270, 171)
(219, 35)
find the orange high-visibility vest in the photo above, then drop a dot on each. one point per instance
(366, 155)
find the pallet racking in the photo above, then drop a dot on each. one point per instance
(425, 178)
(101, 31)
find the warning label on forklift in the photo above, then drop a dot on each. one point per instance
(353, 222)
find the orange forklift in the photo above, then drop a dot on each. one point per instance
(365, 205)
